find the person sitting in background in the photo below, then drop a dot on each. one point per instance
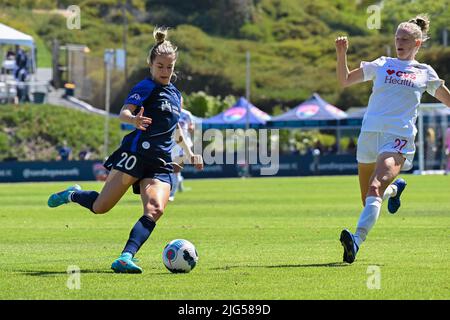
(9, 63)
(10, 54)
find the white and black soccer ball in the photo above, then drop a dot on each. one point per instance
(180, 256)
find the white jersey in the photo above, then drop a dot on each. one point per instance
(186, 120)
(398, 86)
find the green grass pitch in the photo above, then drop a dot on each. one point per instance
(260, 238)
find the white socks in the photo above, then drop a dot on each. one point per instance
(391, 191)
(370, 214)
(368, 217)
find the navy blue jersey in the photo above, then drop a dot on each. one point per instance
(162, 103)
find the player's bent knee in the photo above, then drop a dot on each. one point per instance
(155, 211)
(385, 180)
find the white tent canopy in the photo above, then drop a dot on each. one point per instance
(12, 36)
(9, 35)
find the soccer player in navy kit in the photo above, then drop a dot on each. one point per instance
(143, 159)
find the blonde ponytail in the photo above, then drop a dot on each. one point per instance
(162, 45)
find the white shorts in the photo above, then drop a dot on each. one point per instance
(178, 155)
(371, 144)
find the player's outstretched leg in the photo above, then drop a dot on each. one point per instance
(62, 197)
(350, 246)
(126, 264)
(394, 202)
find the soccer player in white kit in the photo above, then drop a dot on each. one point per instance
(187, 125)
(386, 142)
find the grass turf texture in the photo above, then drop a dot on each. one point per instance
(262, 238)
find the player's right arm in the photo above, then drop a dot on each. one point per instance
(345, 77)
(139, 121)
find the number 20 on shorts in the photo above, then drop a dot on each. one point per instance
(127, 161)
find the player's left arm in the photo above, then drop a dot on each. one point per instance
(443, 95)
(196, 159)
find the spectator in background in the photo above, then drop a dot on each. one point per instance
(22, 94)
(318, 145)
(316, 160)
(334, 148)
(351, 148)
(65, 152)
(10, 55)
(84, 154)
(21, 75)
(430, 148)
(9, 63)
(21, 61)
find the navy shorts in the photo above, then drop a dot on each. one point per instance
(139, 167)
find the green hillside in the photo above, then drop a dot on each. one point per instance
(33, 132)
(291, 42)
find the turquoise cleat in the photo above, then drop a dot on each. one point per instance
(62, 197)
(394, 202)
(126, 264)
(350, 247)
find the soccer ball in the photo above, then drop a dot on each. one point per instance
(180, 256)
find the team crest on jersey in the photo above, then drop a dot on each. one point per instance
(146, 145)
(167, 106)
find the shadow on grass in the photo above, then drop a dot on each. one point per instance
(311, 265)
(60, 273)
(35, 273)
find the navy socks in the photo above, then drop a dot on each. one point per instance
(139, 234)
(85, 198)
